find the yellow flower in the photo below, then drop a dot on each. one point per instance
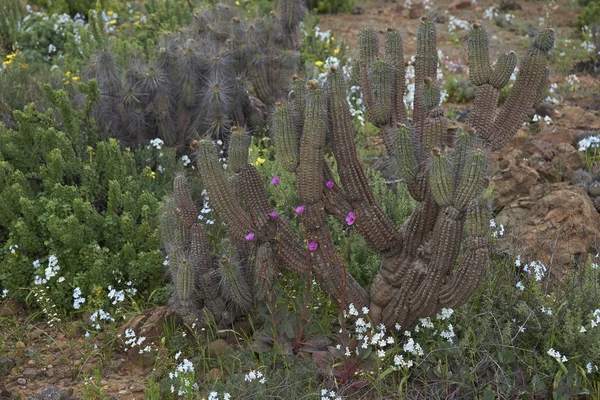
(10, 58)
(237, 3)
(68, 74)
(259, 161)
(336, 52)
(319, 63)
(75, 79)
(153, 175)
(112, 22)
(23, 65)
(333, 39)
(110, 13)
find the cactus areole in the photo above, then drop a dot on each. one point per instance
(440, 254)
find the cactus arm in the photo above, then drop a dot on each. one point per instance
(394, 54)
(187, 209)
(239, 142)
(255, 197)
(287, 144)
(479, 55)
(309, 176)
(471, 270)
(378, 229)
(221, 194)
(369, 51)
(525, 92)
(425, 66)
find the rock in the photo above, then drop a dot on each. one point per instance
(50, 393)
(49, 373)
(29, 372)
(22, 381)
(579, 118)
(20, 345)
(34, 334)
(31, 363)
(416, 11)
(214, 375)
(6, 365)
(217, 348)
(149, 325)
(8, 308)
(459, 5)
(357, 10)
(558, 223)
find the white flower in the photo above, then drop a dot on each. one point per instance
(4, 293)
(157, 143)
(36, 264)
(520, 286)
(582, 329)
(186, 160)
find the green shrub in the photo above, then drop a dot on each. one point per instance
(90, 204)
(330, 6)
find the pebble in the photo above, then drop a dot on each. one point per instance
(31, 363)
(50, 373)
(123, 392)
(22, 381)
(29, 372)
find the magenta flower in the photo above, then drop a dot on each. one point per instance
(312, 246)
(273, 214)
(329, 184)
(250, 236)
(299, 210)
(350, 218)
(275, 180)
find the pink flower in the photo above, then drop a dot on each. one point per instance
(275, 180)
(329, 184)
(273, 214)
(250, 236)
(299, 209)
(312, 246)
(350, 218)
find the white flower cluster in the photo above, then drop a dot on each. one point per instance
(572, 82)
(215, 396)
(186, 160)
(205, 210)
(546, 119)
(537, 269)
(49, 273)
(322, 36)
(591, 141)
(4, 293)
(455, 23)
(546, 310)
(490, 13)
(132, 341)
(329, 395)
(13, 249)
(591, 367)
(78, 300)
(100, 315)
(184, 374)
(157, 143)
(557, 355)
(252, 375)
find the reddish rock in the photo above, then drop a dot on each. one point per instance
(556, 225)
(459, 5)
(214, 375)
(8, 308)
(217, 348)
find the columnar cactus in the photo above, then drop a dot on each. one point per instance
(198, 81)
(440, 255)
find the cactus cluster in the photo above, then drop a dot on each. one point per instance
(440, 255)
(198, 81)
